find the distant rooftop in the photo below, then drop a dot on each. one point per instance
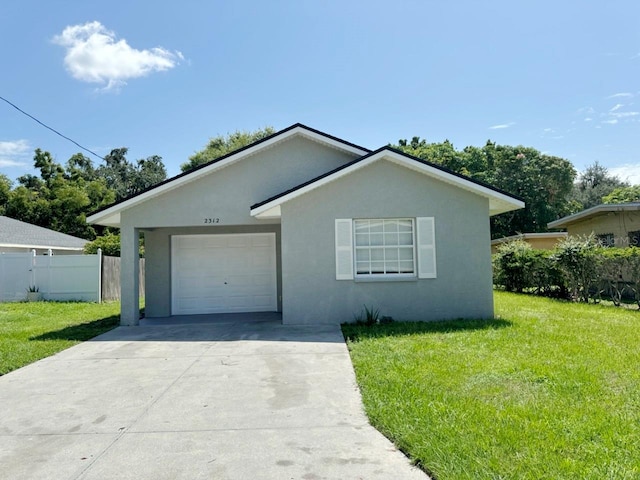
(529, 236)
(14, 233)
(594, 212)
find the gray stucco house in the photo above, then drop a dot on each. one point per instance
(312, 226)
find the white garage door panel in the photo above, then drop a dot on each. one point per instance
(223, 273)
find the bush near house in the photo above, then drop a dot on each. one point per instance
(579, 269)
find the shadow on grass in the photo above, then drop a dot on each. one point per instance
(82, 332)
(355, 332)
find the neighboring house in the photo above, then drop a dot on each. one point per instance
(613, 225)
(21, 237)
(539, 241)
(314, 227)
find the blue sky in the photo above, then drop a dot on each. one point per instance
(161, 78)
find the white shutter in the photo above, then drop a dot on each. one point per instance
(426, 247)
(344, 249)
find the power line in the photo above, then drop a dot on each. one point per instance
(52, 129)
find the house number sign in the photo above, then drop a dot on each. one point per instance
(211, 220)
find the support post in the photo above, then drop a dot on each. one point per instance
(129, 276)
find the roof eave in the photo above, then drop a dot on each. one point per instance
(110, 216)
(40, 247)
(498, 202)
(564, 222)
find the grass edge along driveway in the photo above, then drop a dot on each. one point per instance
(548, 389)
(32, 331)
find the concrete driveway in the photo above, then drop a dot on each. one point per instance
(241, 400)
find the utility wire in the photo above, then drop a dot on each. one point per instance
(52, 129)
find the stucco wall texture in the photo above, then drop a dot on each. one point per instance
(311, 293)
(308, 292)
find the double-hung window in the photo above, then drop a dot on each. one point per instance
(385, 248)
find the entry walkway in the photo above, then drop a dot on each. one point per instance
(224, 400)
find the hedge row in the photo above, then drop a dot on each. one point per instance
(578, 269)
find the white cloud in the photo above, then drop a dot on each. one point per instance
(94, 55)
(617, 106)
(587, 110)
(588, 119)
(12, 152)
(16, 147)
(613, 121)
(621, 94)
(625, 114)
(629, 172)
(502, 125)
(7, 162)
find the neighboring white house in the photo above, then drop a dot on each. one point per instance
(312, 226)
(20, 237)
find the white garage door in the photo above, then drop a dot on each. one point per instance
(223, 273)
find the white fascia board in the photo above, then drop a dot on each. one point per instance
(111, 216)
(498, 202)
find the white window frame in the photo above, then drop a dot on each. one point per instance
(385, 275)
(424, 255)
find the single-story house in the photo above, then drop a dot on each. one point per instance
(314, 227)
(539, 241)
(613, 225)
(22, 237)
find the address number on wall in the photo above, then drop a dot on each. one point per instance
(211, 220)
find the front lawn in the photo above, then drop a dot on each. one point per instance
(31, 331)
(548, 389)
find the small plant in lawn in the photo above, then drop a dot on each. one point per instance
(369, 316)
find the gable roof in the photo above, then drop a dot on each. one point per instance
(499, 200)
(17, 234)
(110, 215)
(593, 212)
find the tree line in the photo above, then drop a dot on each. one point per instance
(62, 195)
(549, 185)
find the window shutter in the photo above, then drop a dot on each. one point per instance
(344, 249)
(426, 247)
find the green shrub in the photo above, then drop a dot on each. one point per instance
(579, 269)
(619, 270)
(518, 267)
(578, 260)
(513, 265)
(109, 243)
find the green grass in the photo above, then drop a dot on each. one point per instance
(31, 331)
(547, 390)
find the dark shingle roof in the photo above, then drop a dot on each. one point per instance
(16, 233)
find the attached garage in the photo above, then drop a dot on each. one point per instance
(223, 273)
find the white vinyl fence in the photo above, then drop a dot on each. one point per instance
(57, 277)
